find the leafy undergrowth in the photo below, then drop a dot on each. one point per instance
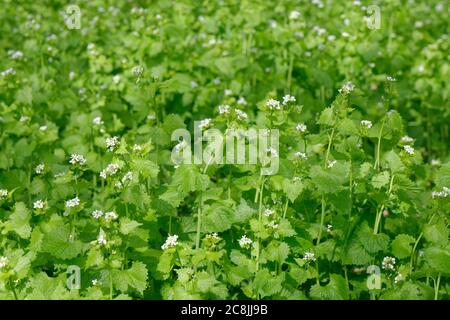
(358, 209)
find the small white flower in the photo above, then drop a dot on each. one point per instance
(301, 127)
(224, 109)
(329, 228)
(309, 256)
(241, 101)
(110, 170)
(228, 92)
(101, 239)
(441, 194)
(137, 148)
(366, 123)
(388, 263)
(43, 128)
(77, 159)
(40, 168)
(3, 262)
(97, 121)
(300, 155)
(127, 177)
(116, 79)
(435, 162)
(204, 123)
(294, 15)
(408, 149)
(406, 139)
(111, 215)
(151, 117)
(399, 277)
(72, 202)
(194, 84)
(331, 37)
(288, 98)
(347, 87)
(171, 241)
(3, 193)
(241, 115)
(137, 70)
(345, 34)
(391, 79)
(23, 118)
(94, 282)
(244, 242)
(268, 212)
(111, 143)
(97, 214)
(212, 236)
(216, 81)
(9, 71)
(273, 104)
(331, 163)
(71, 75)
(38, 204)
(15, 55)
(273, 225)
(296, 179)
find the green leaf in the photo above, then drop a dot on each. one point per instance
(336, 289)
(292, 188)
(135, 278)
(217, 217)
(127, 225)
(19, 221)
(267, 284)
(58, 243)
(438, 258)
(401, 246)
(275, 251)
(243, 212)
(380, 180)
(436, 233)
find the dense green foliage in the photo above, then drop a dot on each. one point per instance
(364, 171)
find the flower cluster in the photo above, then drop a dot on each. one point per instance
(72, 202)
(366, 123)
(171, 241)
(110, 170)
(77, 159)
(347, 88)
(245, 242)
(441, 194)
(273, 104)
(388, 263)
(112, 143)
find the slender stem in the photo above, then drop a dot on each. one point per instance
(258, 249)
(322, 219)
(436, 286)
(378, 218)
(377, 159)
(285, 208)
(11, 284)
(199, 221)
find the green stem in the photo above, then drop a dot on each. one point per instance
(259, 219)
(436, 286)
(199, 222)
(377, 159)
(322, 219)
(285, 208)
(379, 214)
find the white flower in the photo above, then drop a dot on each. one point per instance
(294, 15)
(388, 263)
(111, 143)
(406, 139)
(244, 242)
(23, 118)
(224, 109)
(204, 123)
(268, 212)
(241, 101)
(8, 72)
(43, 128)
(331, 37)
(331, 163)
(441, 194)
(228, 92)
(137, 148)
(408, 149)
(241, 114)
(72, 202)
(399, 277)
(111, 215)
(366, 123)
(40, 168)
(216, 81)
(212, 236)
(71, 75)
(127, 177)
(97, 121)
(301, 127)
(273, 225)
(38, 204)
(435, 162)
(97, 214)
(300, 155)
(3, 193)
(288, 98)
(296, 179)
(319, 30)
(137, 70)
(194, 84)
(101, 239)
(116, 79)
(391, 79)
(3, 262)
(273, 104)
(110, 170)
(77, 159)
(171, 241)
(347, 87)
(309, 256)
(94, 282)
(345, 34)
(329, 228)
(15, 55)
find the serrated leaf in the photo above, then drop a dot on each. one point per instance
(401, 246)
